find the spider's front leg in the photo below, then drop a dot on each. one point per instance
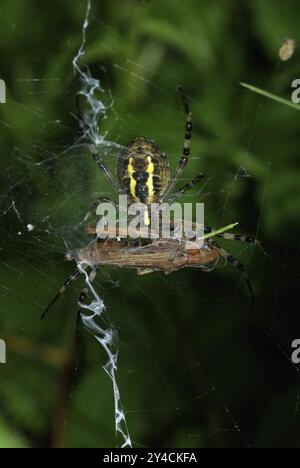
(186, 146)
(102, 166)
(178, 193)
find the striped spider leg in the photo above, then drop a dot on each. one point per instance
(186, 147)
(69, 281)
(235, 263)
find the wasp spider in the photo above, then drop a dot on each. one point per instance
(144, 175)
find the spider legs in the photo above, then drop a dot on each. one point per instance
(186, 146)
(239, 266)
(188, 134)
(102, 166)
(186, 188)
(232, 237)
(67, 283)
(93, 209)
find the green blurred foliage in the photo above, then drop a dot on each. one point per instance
(197, 366)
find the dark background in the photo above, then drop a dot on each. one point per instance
(198, 366)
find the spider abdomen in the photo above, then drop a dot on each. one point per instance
(143, 171)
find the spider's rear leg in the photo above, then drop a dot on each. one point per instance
(238, 265)
(233, 237)
(70, 280)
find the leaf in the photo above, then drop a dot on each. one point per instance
(9, 438)
(270, 96)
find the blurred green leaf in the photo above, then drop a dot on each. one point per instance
(9, 437)
(271, 96)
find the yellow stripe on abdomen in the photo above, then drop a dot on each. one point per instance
(131, 171)
(150, 182)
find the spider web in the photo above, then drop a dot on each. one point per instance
(49, 186)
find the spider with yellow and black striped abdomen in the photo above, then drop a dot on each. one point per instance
(144, 175)
(143, 169)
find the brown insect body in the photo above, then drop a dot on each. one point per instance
(161, 255)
